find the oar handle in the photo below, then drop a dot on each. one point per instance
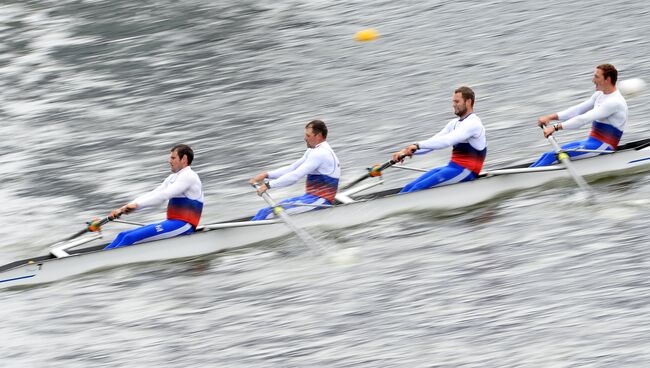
(256, 185)
(265, 196)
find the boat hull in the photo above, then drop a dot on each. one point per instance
(203, 242)
(372, 207)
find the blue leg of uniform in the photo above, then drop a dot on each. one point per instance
(439, 176)
(158, 230)
(549, 158)
(417, 183)
(264, 213)
(118, 239)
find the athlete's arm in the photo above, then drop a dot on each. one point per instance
(274, 174)
(462, 133)
(578, 109)
(596, 114)
(306, 167)
(168, 191)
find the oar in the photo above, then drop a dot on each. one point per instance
(522, 170)
(589, 151)
(374, 171)
(563, 157)
(227, 225)
(130, 222)
(278, 210)
(411, 168)
(94, 225)
(298, 204)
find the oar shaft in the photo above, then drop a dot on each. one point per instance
(582, 150)
(298, 204)
(410, 168)
(563, 157)
(90, 226)
(75, 235)
(226, 225)
(522, 170)
(279, 211)
(129, 222)
(355, 182)
(390, 163)
(379, 169)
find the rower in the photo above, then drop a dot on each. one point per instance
(319, 164)
(467, 136)
(184, 193)
(606, 110)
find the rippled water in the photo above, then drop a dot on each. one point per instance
(93, 94)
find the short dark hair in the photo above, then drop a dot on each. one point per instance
(318, 127)
(184, 150)
(467, 93)
(609, 72)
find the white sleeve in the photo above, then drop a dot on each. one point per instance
(596, 114)
(447, 137)
(307, 165)
(448, 128)
(578, 109)
(165, 191)
(274, 174)
(442, 131)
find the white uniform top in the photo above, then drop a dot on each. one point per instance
(184, 183)
(604, 108)
(468, 130)
(319, 160)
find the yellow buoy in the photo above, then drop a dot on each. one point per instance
(366, 35)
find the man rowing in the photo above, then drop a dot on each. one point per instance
(606, 110)
(319, 164)
(184, 193)
(467, 136)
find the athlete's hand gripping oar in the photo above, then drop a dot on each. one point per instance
(563, 157)
(374, 171)
(278, 210)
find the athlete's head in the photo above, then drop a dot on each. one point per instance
(463, 101)
(609, 71)
(605, 77)
(315, 133)
(180, 156)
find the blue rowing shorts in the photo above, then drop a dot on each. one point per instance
(147, 233)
